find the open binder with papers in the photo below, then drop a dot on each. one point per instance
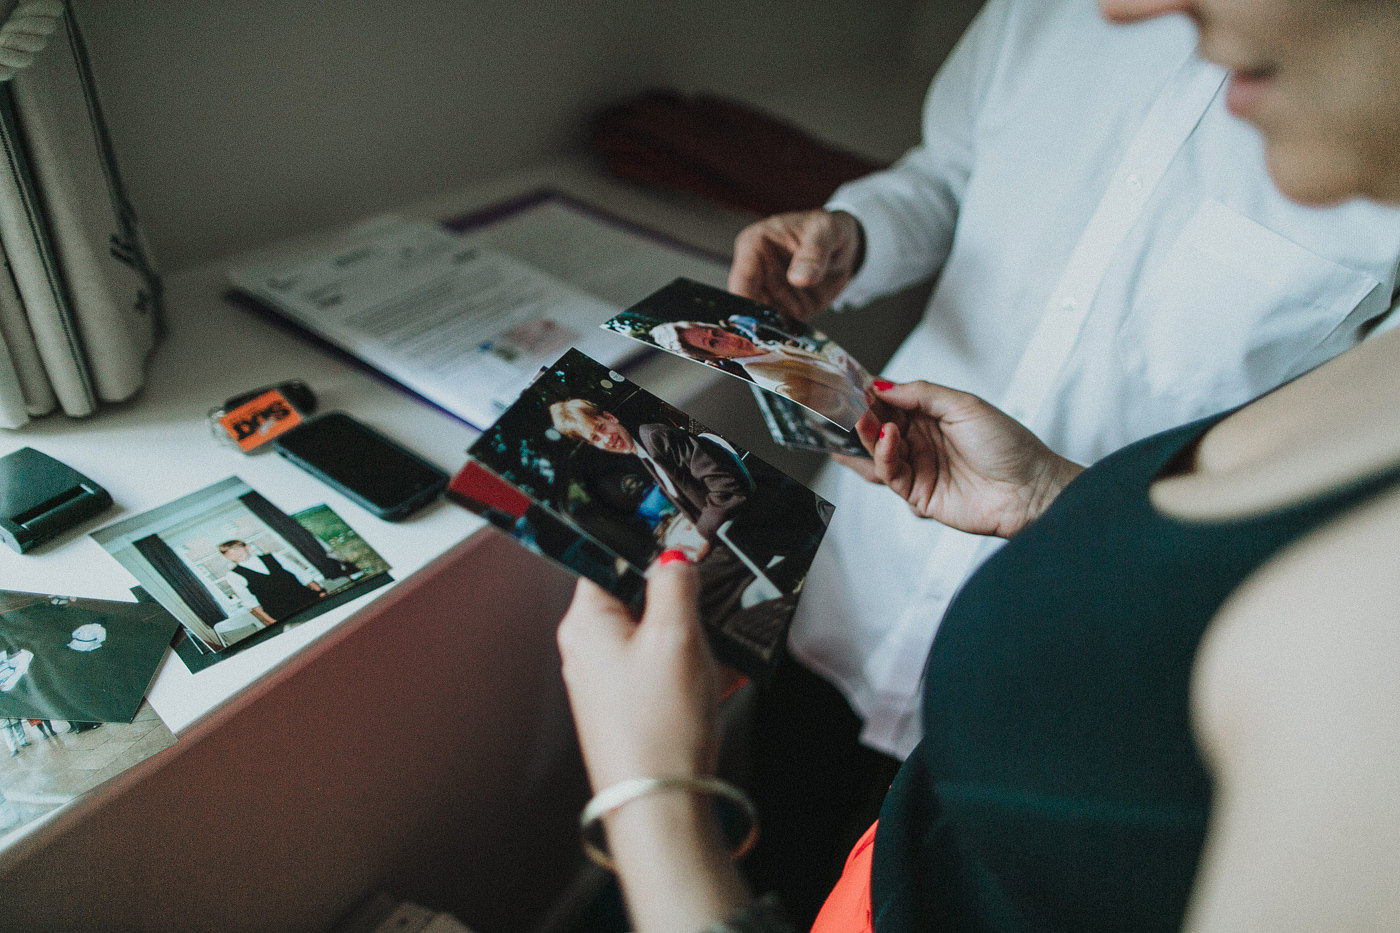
(465, 320)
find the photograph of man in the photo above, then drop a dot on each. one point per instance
(684, 491)
(746, 339)
(832, 387)
(639, 477)
(765, 517)
(700, 474)
(275, 569)
(274, 589)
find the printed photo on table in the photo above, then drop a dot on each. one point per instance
(233, 568)
(768, 348)
(52, 762)
(610, 476)
(79, 660)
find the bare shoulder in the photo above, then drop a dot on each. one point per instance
(1333, 598)
(1296, 702)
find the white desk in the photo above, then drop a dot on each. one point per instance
(417, 739)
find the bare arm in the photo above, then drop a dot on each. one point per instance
(1296, 702)
(643, 696)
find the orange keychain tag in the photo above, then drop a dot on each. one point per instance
(260, 419)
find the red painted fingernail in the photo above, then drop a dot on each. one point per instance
(884, 385)
(675, 554)
(882, 433)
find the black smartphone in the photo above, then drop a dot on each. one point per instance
(356, 460)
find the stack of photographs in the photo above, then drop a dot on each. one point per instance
(810, 390)
(70, 665)
(600, 476)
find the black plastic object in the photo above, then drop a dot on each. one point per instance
(41, 497)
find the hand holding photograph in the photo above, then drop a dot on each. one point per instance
(817, 388)
(600, 476)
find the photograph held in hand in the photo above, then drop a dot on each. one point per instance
(600, 476)
(810, 390)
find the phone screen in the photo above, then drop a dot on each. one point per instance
(359, 461)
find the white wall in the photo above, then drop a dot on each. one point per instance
(239, 124)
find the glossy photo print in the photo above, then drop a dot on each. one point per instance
(543, 532)
(49, 763)
(803, 429)
(772, 350)
(79, 660)
(231, 566)
(606, 476)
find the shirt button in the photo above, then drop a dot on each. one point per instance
(1134, 182)
(1068, 304)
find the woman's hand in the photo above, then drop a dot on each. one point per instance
(958, 460)
(643, 693)
(797, 262)
(643, 697)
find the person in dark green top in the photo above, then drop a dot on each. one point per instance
(1173, 699)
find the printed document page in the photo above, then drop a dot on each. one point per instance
(601, 254)
(464, 326)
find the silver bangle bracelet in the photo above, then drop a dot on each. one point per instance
(610, 798)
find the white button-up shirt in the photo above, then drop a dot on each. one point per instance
(1113, 261)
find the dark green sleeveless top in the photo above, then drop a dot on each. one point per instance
(1058, 786)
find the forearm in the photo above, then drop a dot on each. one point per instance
(906, 216)
(1038, 496)
(643, 698)
(675, 870)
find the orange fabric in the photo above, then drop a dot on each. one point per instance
(847, 907)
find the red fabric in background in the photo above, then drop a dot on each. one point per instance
(723, 150)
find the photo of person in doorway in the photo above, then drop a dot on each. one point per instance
(235, 568)
(269, 589)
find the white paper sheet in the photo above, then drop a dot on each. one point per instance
(462, 325)
(606, 257)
